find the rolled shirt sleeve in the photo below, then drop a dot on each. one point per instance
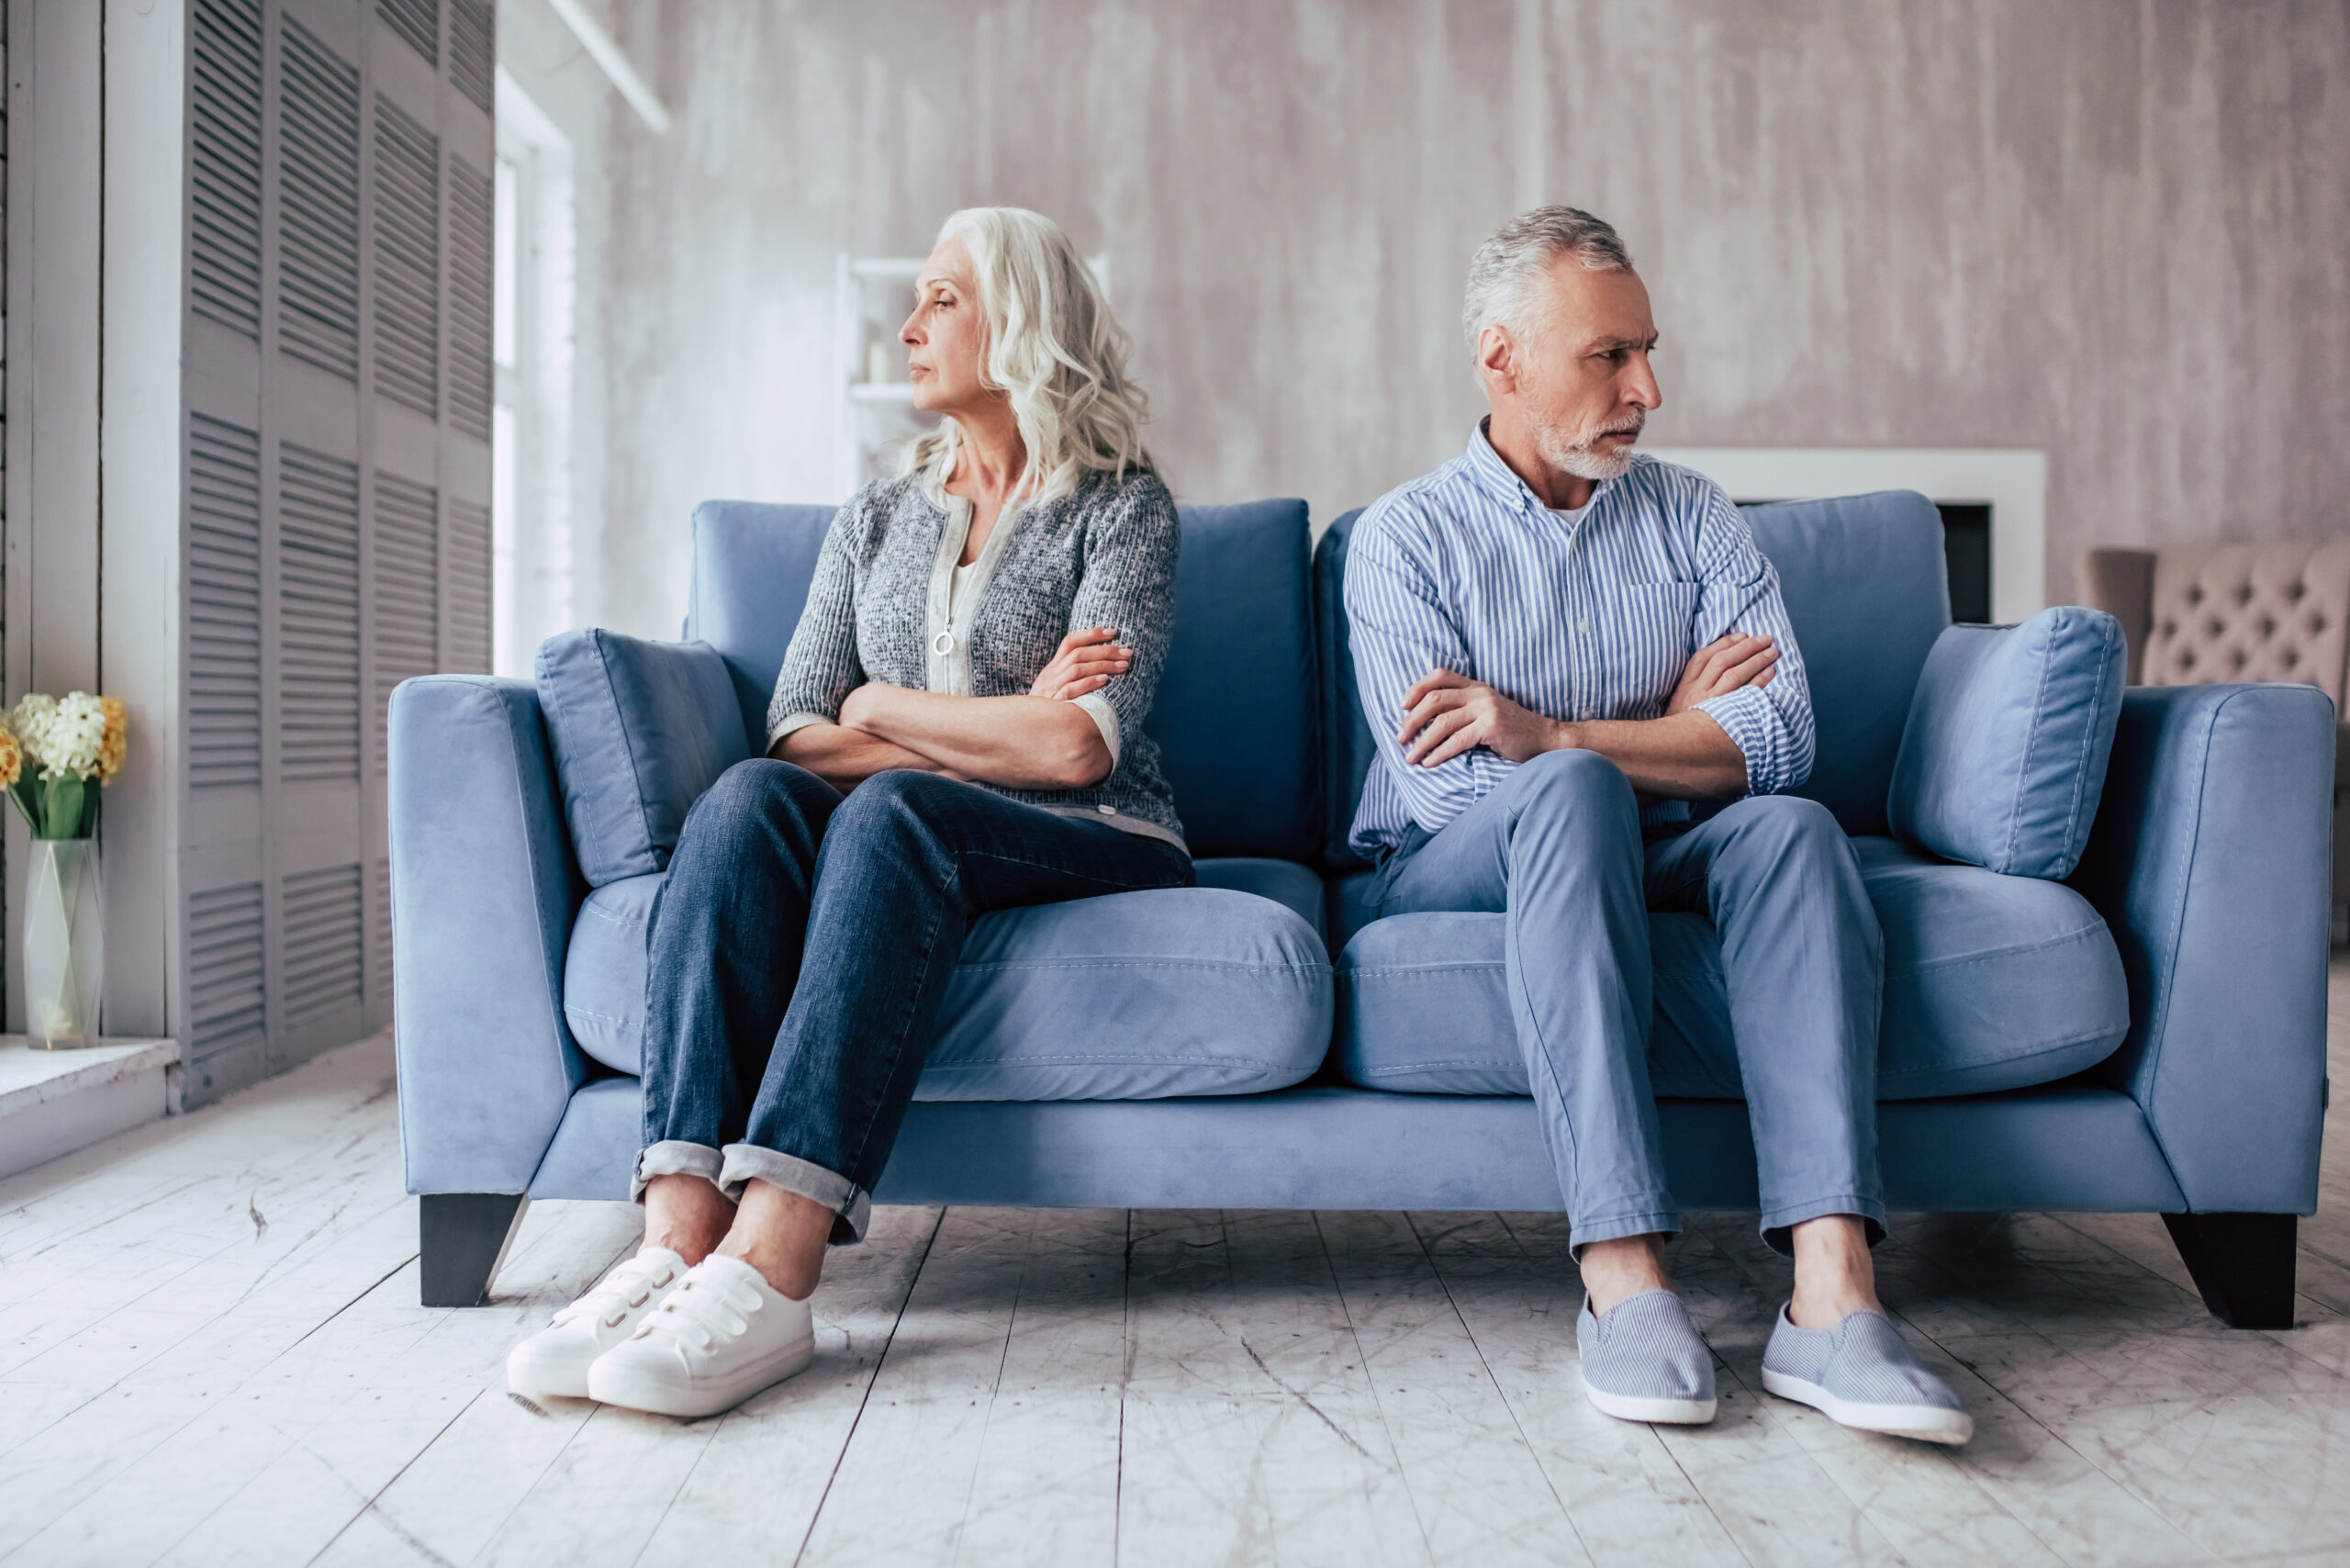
(1106, 719)
(1771, 725)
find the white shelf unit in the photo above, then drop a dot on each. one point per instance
(873, 420)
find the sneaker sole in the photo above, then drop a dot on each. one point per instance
(634, 1390)
(1926, 1423)
(535, 1378)
(1664, 1412)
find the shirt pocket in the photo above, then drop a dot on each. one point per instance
(1650, 638)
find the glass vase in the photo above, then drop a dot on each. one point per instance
(65, 949)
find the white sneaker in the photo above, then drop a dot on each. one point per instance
(553, 1361)
(721, 1336)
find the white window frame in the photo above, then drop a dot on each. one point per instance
(531, 526)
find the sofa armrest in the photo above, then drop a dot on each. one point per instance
(483, 892)
(2211, 861)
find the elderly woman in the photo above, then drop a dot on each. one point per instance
(957, 728)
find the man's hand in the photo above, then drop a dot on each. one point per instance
(1445, 714)
(1084, 663)
(1721, 666)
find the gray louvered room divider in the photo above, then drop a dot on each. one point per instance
(337, 483)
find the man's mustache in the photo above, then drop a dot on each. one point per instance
(1630, 425)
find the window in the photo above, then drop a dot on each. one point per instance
(530, 425)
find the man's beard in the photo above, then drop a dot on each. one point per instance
(1584, 457)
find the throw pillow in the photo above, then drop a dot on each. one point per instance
(639, 729)
(2003, 757)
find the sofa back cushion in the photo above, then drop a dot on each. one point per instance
(1867, 592)
(1235, 715)
(1237, 718)
(752, 563)
(2003, 758)
(1349, 752)
(638, 731)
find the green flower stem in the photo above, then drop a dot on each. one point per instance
(63, 807)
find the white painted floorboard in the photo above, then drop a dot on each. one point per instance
(210, 1353)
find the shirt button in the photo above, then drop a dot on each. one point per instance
(1107, 810)
(1584, 625)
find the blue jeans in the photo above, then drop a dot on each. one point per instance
(800, 952)
(1558, 847)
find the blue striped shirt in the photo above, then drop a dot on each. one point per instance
(1590, 615)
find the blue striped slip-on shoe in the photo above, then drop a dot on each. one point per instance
(1862, 1375)
(1642, 1360)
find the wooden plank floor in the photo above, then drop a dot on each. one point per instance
(210, 1353)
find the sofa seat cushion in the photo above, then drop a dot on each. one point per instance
(1991, 983)
(1131, 996)
(1285, 882)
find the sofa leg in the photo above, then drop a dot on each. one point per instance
(462, 1238)
(2241, 1262)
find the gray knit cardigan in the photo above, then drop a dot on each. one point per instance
(1101, 556)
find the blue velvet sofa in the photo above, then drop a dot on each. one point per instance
(2146, 1036)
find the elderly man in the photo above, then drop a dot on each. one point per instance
(1570, 645)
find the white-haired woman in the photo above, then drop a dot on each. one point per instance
(957, 728)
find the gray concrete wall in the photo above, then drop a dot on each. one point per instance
(2118, 231)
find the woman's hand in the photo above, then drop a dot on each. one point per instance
(1722, 665)
(1084, 663)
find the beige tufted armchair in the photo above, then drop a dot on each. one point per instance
(2227, 612)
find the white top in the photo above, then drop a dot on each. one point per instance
(959, 604)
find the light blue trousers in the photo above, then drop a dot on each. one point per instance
(1559, 849)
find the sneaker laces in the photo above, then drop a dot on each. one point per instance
(620, 1293)
(701, 1311)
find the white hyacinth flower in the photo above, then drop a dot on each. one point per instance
(33, 722)
(63, 737)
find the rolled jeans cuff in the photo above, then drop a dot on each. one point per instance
(812, 1182)
(1655, 1222)
(1781, 1219)
(672, 1157)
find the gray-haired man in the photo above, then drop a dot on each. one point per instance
(1572, 644)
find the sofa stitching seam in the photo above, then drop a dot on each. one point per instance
(1988, 954)
(1235, 966)
(628, 744)
(2030, 744)
(1992, 955)
(2075, 829)
(967, 1063)
(2158, 1027)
